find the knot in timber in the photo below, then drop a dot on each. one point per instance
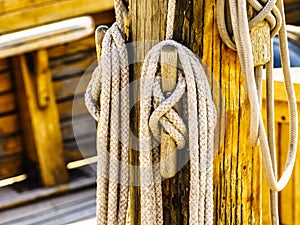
(166, 115)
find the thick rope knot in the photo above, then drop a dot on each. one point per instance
(166, 115)
(200, 112)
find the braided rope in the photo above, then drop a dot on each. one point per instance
(201, 116)
(273, 12)
(111, 79)
(113, 117)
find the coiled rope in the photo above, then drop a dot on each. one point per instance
(110, 80)
(198, 132)
(273, 12)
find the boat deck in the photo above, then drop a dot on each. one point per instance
(65, 204)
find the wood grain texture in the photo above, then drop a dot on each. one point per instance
(168, 156)
(237, 171)
(34, 13)
(261, 44)
(42, 136)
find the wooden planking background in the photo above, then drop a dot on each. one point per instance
(37, 12)
(68, 64)
(70, 77)
(10, 130)
(289, 198)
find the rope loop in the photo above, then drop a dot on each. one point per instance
(273, 12)
(193, 90)
(267, 11)
(107, 99)
(166, 115)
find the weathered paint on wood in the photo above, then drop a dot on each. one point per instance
(42, 134)
(33, 13)
(237, 173)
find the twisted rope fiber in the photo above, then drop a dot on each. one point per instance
(106, 81)
(201, 116)
(273, 12)
(110, 80)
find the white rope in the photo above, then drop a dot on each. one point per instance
(198, 133)
(111, 110)
(201, 122)
(274, 14)
(113, 126)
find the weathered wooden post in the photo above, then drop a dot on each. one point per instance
(237, 171)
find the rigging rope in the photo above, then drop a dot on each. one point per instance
(110, 80)
(199, 132)
(273, 12)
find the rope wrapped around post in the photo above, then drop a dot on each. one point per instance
(201, 116)
(193, 90)
(271, 11)
(107, 99)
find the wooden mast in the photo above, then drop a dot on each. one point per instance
(237, 171)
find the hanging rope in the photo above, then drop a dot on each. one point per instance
(198, 133)
(110, 80)
(273, 12)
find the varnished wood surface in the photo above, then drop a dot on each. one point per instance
(17, 14)
(68, 63)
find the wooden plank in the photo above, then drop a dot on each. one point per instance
(38, 209)
(7, 103)
(81, 148)
(78, 127)
(75, 107)
(71, 48)
(66, 89)
(281, 112)
(74, 64)
(46, 144)
(279, 91)
(86, 44)
(168, 156)
(49, 12)
(9, 124)
(10, 198)
(279, 88)
(11, 166)
(13, 5)
(5, 80)
(10, 145)
(4, 65)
